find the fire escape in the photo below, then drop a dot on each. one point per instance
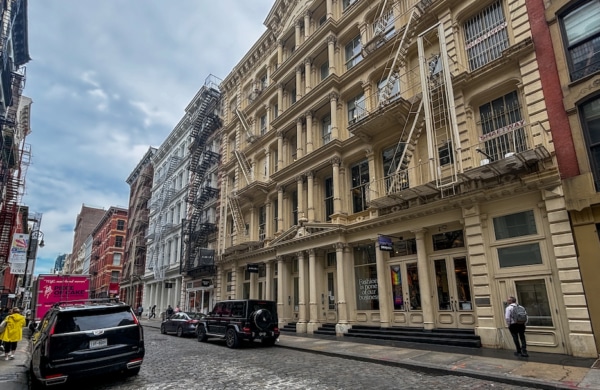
(200, 260)
(13, 162)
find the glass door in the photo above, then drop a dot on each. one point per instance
(329, 300)
(453, 293)
(406, 296)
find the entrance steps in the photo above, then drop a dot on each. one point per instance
(289, 327)
(447, 337)
(326, 329)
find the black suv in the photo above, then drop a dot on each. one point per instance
(77, 339)
(237, 320)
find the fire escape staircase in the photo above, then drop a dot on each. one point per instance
(238, 218)
(245, 125)
(245, 166)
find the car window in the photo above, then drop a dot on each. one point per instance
(237, 309)
(92, 319)
(195, 316)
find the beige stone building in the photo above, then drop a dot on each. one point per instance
(391, 163)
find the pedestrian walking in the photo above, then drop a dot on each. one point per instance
(516, 320)
(152, 312)
(12, 333)
(169, 311)
(140, 310)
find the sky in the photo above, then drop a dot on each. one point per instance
(109, 79)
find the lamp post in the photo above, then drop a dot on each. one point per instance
(38, 236)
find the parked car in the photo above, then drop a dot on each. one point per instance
(80, 339)
(182, 323)
(237, 320)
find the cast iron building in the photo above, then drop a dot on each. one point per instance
(392, 164)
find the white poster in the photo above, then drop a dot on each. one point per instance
(18, 249)
(17, 268)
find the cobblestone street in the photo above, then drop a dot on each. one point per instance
(184, 363)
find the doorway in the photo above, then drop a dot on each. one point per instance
(328, 300)
(406, 295)
(453, 299)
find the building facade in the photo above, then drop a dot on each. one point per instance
(567, 34)
(391, 163)
(108, 246)
(134, 263)
(162, 277)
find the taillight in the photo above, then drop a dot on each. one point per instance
(246, 330)
(52, 329)
(276, 329)
(135, 319)
(53, 376)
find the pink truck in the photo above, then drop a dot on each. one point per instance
(50, 289)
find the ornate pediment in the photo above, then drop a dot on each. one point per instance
(299, 232)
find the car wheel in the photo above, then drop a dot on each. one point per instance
(231, 338)
(262, 318)
(269, 341)
(201, 333)
(162, 329)
(180, 332)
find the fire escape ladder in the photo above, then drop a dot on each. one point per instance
(245, 124)
(443, 141)
(399, 60)
(406, 146)
(236, 212)
(245, 166)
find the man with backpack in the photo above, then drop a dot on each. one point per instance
(516, 319)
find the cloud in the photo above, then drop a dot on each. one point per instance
(112, 79)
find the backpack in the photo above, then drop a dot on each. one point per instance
(519, 315)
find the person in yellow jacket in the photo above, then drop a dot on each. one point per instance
(13, 333)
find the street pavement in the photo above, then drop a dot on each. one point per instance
(540, 370)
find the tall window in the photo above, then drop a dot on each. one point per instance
(120, 224)
(365, 271)
(295, 207)
(353, 52)
(326, 129)
(389, 90)
(502, 126)
(517, 225)
(116, 259)
(360, 186)
(348, 3)
(263, 124)
(532, 295)
(328, 198)
(356, 108)
(119, 241)
(262, 219)
(590, 113)
(486, 36)
(582, 31)
(114, 277)
(384, 25)
(396, 176)
(324, 70)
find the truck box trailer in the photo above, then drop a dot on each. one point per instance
(50, 289)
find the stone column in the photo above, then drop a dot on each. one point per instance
(267, 165)
(337, 200)
(279, 149)
(299, 149)
(280, 210)
(331, 39)
(280, 87)
(298, 82)
(424, 286)
(307, 15)
(269, 219)
(280, 44)
(300, 186)
(341, 257)
(310, 195)
(309, 132)
(302, 319)
(383, 287)
(329, 7)
(280, 292)
(297, 32)
(333, 98)
(314, 323)
(307, 74)
(269, 280)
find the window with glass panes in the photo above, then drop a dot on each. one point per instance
(263, 124)
(120, 224)
(395, 179)
(328, 198)
(116, 259)
(275, 208)
(517, 225)
(502, 126)
(326, 129)
(347, 3)
(393, 88)
(581, 28)
(262, 219)
(590, 119)
(324, 70)
(119, 241)
(353, 52)
(533, 296)
(356, 108)
(295, 208)
(114, 277)
(360, 185)
(365, 273)
(486, 35)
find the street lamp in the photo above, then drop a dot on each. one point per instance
(38, 237)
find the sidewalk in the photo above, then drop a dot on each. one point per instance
(540, 370)
(14, 373)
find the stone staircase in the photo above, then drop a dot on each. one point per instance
(289, 328)
(326, 329)
(445, 337)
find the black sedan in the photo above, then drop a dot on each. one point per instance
(182, 323)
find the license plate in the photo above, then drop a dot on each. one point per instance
(98, 343)
(262, 334)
